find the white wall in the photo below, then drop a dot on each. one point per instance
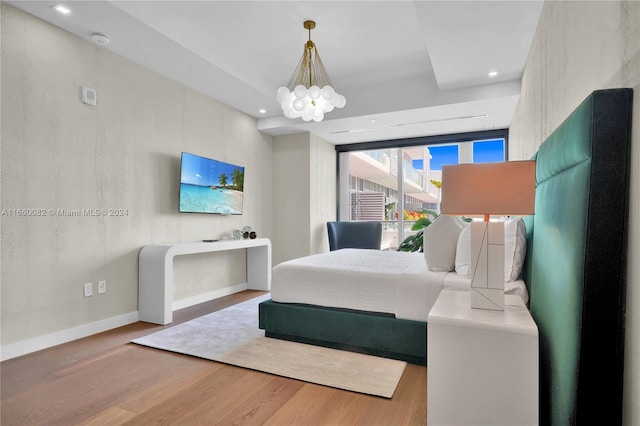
(291, 181)
(58, 153)
(323, 191)
(305, 195)
(580, 47)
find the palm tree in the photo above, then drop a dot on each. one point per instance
(223, 180)
(238, 179)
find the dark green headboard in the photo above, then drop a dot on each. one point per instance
(576, 261)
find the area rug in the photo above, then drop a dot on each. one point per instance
(232, 336)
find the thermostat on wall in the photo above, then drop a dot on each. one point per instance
(89, 96)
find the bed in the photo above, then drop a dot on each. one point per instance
(348, 299)
(575, 273)
(387, 287)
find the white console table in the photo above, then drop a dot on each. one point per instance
(483, 364)
(155, 273)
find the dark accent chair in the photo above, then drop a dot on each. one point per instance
(364, 235)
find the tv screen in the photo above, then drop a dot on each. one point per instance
(210, 186)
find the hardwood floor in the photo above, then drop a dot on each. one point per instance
(105, 380)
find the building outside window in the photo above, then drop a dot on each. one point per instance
(398, 185)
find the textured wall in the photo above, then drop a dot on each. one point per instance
(124, 153)
(323, 192)
(291, 180)
(305, 195)
(580, 47)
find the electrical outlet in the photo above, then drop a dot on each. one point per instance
(88, 289)
(102, 286)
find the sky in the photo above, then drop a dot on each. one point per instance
(441, 155)
(488, 151)
(196, 170)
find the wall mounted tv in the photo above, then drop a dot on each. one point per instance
(210, 186)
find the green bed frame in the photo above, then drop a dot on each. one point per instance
(357, 331)
(575, 271)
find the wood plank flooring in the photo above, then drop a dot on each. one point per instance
(105, 380)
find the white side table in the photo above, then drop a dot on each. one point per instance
(155, 272)
(482, 365)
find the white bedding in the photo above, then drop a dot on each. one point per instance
(391, 282)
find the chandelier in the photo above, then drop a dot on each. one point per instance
(310, 93)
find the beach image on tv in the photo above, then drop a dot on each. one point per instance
(210, 186)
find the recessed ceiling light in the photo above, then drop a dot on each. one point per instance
(493, 74)
(262, 111)
(60, 8)
(373, 120)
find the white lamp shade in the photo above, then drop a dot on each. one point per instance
(506, 188)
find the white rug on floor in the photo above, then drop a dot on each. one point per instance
(232, 336)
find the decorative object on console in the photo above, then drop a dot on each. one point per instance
(488, 189)
(248, 232)
(237, 234)
(309, 93)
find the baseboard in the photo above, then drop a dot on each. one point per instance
(205, 297)
(27, 346)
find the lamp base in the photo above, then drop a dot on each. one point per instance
(487, 264)
(487, 298)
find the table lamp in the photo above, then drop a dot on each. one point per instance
(506, 188)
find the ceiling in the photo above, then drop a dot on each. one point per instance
(406, 68)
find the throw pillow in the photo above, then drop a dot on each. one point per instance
(463, 253)
(515, 248)
(440, 240)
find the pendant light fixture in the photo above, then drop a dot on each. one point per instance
(310, 93)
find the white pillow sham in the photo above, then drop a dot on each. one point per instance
(463, 253)
(515, 248)
(439, 244)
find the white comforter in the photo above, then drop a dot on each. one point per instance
(392, 282)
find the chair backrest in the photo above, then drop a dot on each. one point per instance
(364, 235)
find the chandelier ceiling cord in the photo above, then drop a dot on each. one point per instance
(309, 93)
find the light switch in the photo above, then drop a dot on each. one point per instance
(89, 96)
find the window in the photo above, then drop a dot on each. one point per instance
(396, 181)
(443, 155)
(490, 151)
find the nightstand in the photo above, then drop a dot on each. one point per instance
(482, 365)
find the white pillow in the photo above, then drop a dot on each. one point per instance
(440, 240)
(515, 250)
(463, 253)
